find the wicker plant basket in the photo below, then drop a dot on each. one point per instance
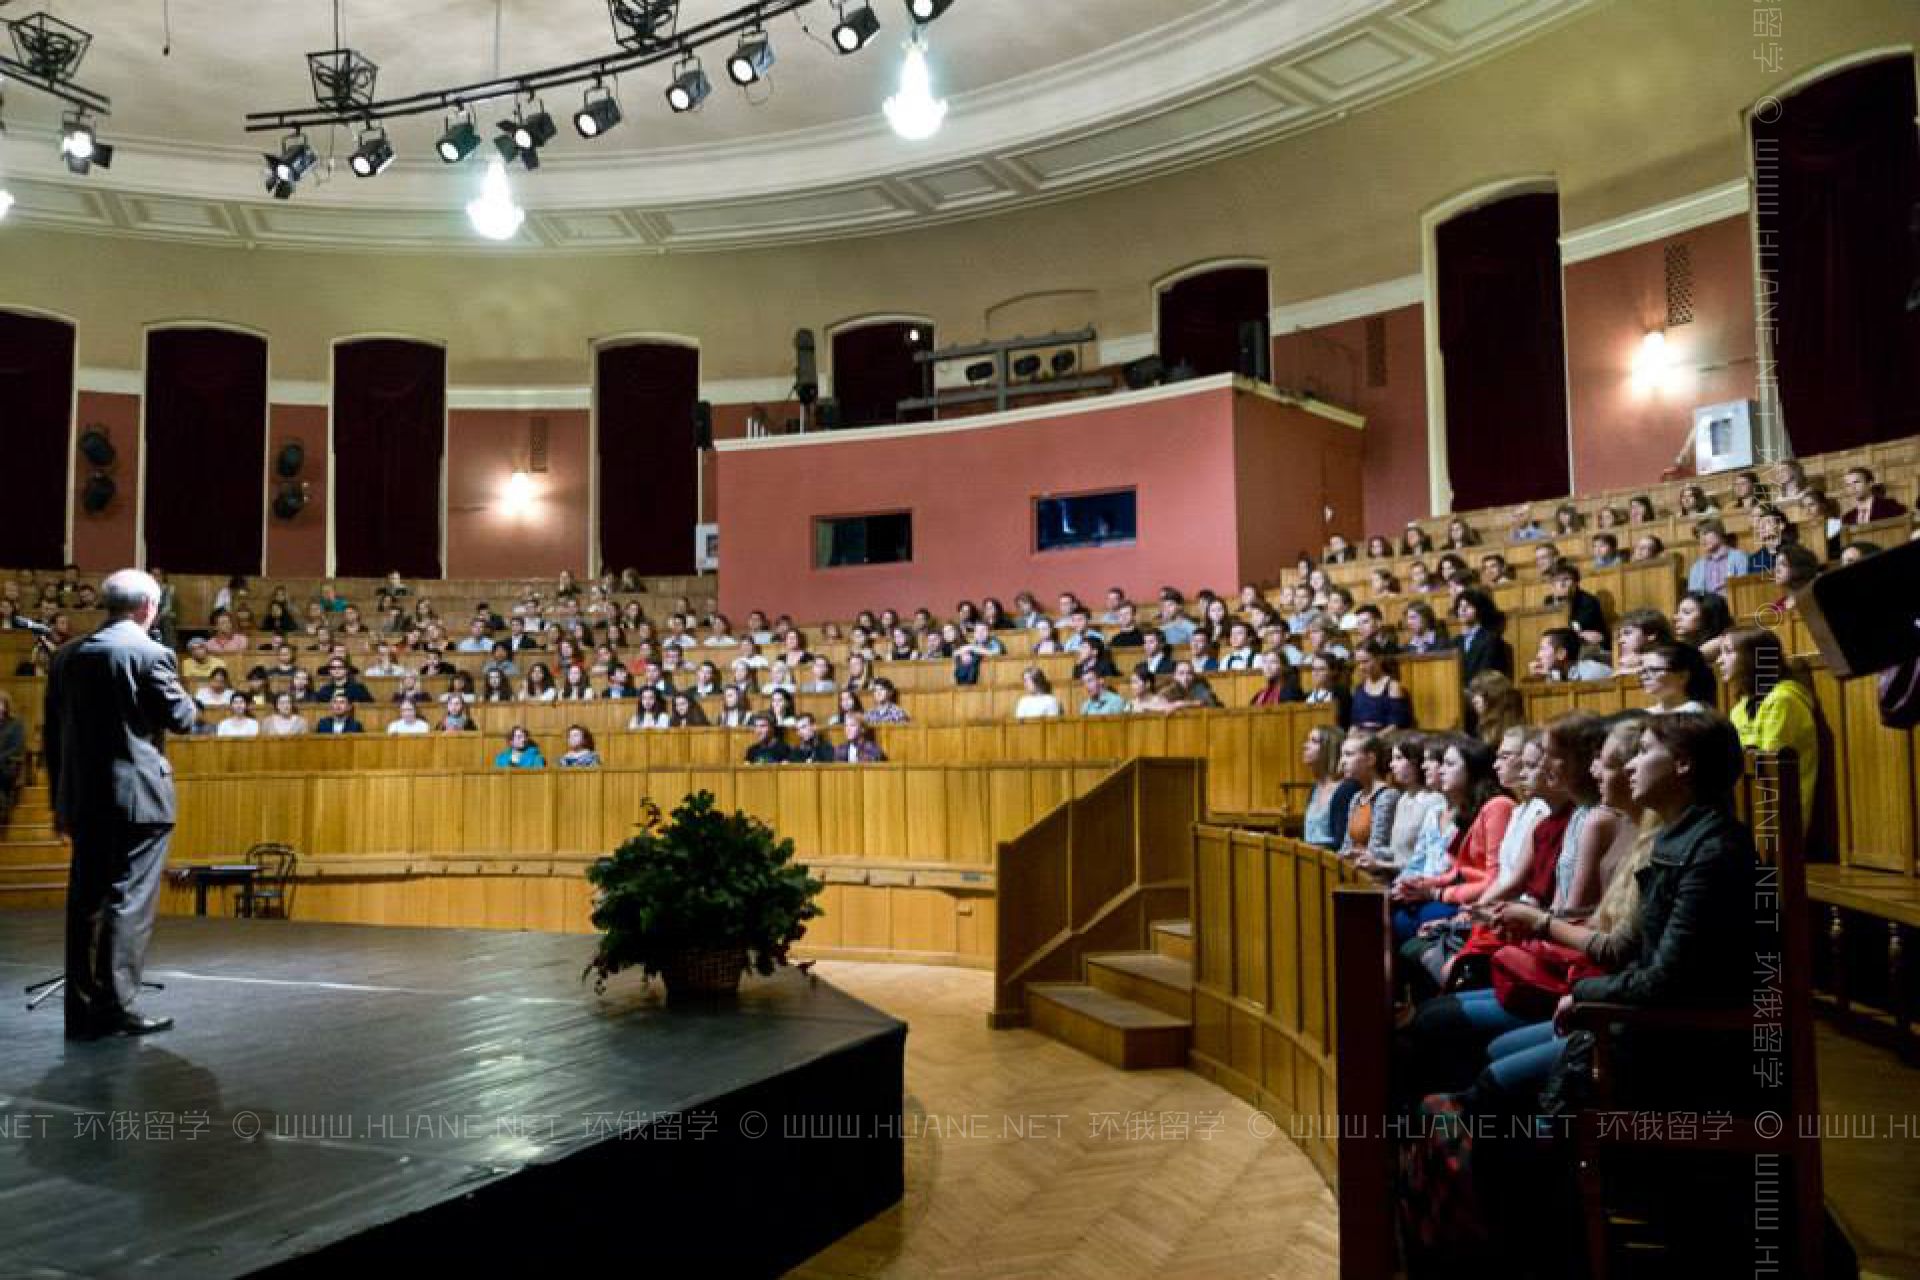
(700, 972)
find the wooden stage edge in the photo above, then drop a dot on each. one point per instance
(343, 1095)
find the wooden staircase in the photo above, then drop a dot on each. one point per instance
(33, 860)
(1135, 1009)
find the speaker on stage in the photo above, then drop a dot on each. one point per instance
(703, 424)
(1256, 351)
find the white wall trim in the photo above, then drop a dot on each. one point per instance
(1728, 200)
(519, 397)
(1127, 348)
(1044, 413)
(1352, 304)
(117, 382)
(770, 390)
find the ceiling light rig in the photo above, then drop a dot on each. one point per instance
(46, 56)
(597, 114)
(752, 59)
(285, 169)
(855, 30)
(461, 138)
(372, 154)
(690, 86)
(914, 112)
(925, 11)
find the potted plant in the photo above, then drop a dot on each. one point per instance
(698, 898)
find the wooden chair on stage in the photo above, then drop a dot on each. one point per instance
(272, 893)
(1784, 1128)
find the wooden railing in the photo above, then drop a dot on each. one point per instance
(1092, 876)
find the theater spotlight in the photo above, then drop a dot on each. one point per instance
(690, 86)
(925, 11)
(460, 139)
(596, 115)
(372, 155)
(1063, 362)
(1026, 366)
(855, 30)
(535, 131)
(980, 371)
(285, 169)
(80, 147)
(752, 60)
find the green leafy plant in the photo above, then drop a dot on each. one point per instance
(699, 881)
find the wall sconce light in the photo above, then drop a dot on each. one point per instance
(517, 498)
(1655, 369)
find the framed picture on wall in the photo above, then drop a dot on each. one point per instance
(706, 547)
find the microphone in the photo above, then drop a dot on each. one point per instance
(28, 624)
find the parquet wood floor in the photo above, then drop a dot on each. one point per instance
(1081, 1196)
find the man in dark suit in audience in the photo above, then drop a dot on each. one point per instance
(340, 681)
(808, 747)
(111, 698)
(340, 718)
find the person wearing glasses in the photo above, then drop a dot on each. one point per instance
(1676, 678)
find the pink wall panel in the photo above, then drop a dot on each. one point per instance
(484, 539)
(1623, 436)
(105, 542)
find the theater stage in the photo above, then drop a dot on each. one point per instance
(337, 1095)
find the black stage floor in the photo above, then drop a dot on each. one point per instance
(335, 1095)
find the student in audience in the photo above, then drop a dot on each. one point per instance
(1677, 678)
(1379, 701)
(1855, 552)
(1640, 510)
(1416, 542)
(216, 692)
(408, 720)
(1495, 704)
(539, 685)
(781, 706)
(500, 658)
(226, 640)
(1187, 690)
(970, 657)
(1517, 765)
(684, 712)
(1282, 681)
(1099, 699)
(575, 686)
(1522, 527)
(1482, 645)
(846, 703)
(736, 709)
(1584, 613)
(1701, 616)
(1038, 702)
(1793, 571)
(1495, 571)
(1789, 480)
(858, 746)
(340, 680)
(1095, 658)
(767, 746)
(1605, 551)
(1640, 630)
(521, 751)
(809, 745)
(1567, 520)
(1325, 821)
(239, 722)
(1719, 559)
(383, 666)
(1773, 710)
(1480, 812)
(581, 752)
(1608, 516)
(1385, 586)
(495, 687)
(199, 664)
(1363, 761)
(1561, 658)
(1339, 550)
(1865, 502)
(1420, 629)
(1694, 503)
(1143, 694)
(1823, 514)
(1648, 547)
(1545, 556)
(339, 717)
(285, 721)
(1770, 531)
(1379, 548)
(886, 708)
(1406, 773)
(650, 710)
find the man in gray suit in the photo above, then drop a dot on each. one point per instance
(110, 700)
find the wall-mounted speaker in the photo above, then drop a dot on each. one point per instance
(98, 493)
(291, 458)
(291, 499)
(96, 447)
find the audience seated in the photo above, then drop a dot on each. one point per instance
(521, 751)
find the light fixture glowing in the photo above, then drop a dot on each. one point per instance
(518, 495)
(1655, 368)
(914, 112)
(856, 30)
(6, 202)
(80, 147)
(596, 115)
(690, 86)
(752, 60)
(925, 11)
(494, 214)
(460, 139)
(373, 154)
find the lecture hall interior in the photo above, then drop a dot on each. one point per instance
(976, 638)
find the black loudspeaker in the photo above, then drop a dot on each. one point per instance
(98, 493)
(806, 371)
(1256, 351)
(287, 463)
(1866, 616)
(703, 424)
(96, 448)
(290, 501)
(1147, 371)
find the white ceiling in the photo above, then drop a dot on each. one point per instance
(1048, 97)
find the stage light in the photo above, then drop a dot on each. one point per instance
(535, 131)
(752, 60)
(596, 115)
(980, 371)
(460, 139)
(81, 147)
(6, 202)
(690, 86)
(293, 161)
(914, 112)
(1026, 366)
(493, 213)
(925, 11)
(856, 30)
(1063, 362)
(372, 155)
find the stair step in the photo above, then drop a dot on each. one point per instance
(32, 897)
(34, 874)
(18, 832)
(1122, 1032)
(1174, 938)
(1145, 977)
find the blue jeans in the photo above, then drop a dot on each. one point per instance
(1519, 1062)
(1407, 920)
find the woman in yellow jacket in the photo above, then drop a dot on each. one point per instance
(1772, 706)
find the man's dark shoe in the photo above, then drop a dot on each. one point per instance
(132, 1024)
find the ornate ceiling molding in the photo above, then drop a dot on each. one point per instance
(1238, 75)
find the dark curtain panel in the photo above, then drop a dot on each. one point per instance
(389, 434)
(1503, 349)
(874, 370)
(1200, 318)
(206, 450)
(1839, 177)
(645, 393)
(36, 421)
